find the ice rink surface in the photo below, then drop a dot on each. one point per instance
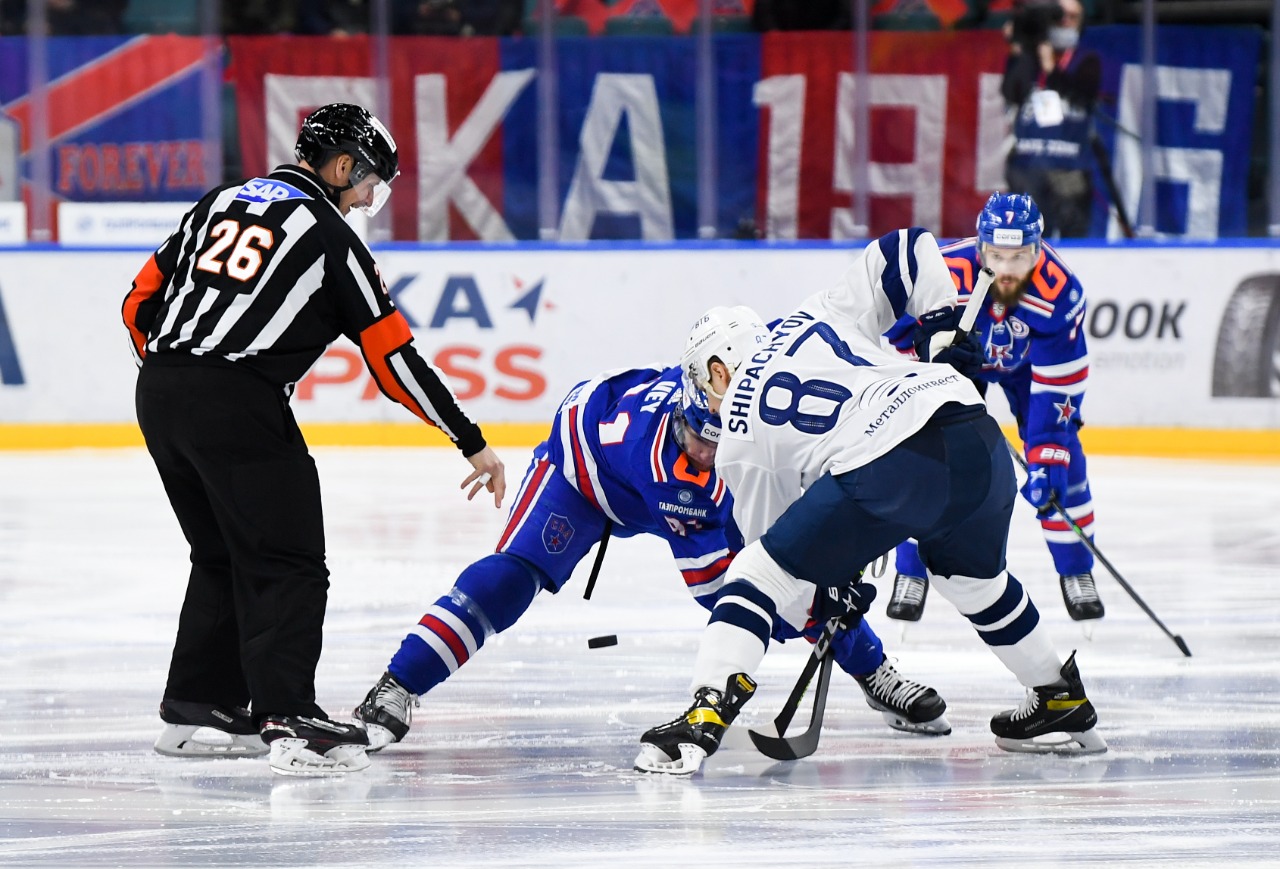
(524, 757)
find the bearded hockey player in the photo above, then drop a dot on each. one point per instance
(1032, 334)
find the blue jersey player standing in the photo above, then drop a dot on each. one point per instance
(1032, 332)
(631, 451)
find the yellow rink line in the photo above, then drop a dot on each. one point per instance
(1249, 444)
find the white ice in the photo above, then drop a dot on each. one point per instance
(524, 757)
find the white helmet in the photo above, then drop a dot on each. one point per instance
(728, 334)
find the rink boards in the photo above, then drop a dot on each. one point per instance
(1183, 340)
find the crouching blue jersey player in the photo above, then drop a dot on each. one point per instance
(633, 451)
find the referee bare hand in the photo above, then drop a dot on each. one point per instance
(489, 474)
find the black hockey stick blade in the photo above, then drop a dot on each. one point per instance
(821, 648)
(804, 744)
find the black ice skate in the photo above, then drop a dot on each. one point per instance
(907, 706)
(386, 711)
(207, 730)
(314, 746)
(1081, 597)
(1054, 718)
(679, 746)
(907, 602)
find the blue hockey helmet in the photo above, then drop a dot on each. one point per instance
(694, 427)
(1010, 220)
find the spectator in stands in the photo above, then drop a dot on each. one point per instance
(1053, 86)
(249, 17)
(430, 17)
(801, 15)
(332, 17)
(66, 17)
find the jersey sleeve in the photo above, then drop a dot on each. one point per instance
(899, 274)
(146, 295)
(1059, 361)
(702, 558)
(374, 323)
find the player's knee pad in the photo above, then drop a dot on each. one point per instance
(496, 591)
(756, 566)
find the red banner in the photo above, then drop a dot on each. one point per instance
(926, 126)
(307, 72)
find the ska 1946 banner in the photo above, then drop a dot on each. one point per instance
(465, 113)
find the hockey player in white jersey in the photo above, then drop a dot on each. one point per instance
(837, 450)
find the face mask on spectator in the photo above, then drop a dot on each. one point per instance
(1064, 38)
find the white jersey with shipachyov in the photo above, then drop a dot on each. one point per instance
(827, 395)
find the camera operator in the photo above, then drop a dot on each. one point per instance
(1053, 88)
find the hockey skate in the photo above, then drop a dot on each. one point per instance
(314, 746)
(1056, 718)
(907, 706)
(386, 712)
(679, 746)
(907, 602)
(207, 730)
(1081, 597)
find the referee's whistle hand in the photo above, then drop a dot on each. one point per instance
(489, 474)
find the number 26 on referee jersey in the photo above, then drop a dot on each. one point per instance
(244, 260)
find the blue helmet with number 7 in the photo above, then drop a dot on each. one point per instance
(1010, 220)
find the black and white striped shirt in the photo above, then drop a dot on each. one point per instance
(265, 274)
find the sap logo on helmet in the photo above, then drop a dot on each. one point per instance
(1007, 237)
(267, 190)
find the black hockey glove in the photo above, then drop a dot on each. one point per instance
(842, 601)
(966, 357)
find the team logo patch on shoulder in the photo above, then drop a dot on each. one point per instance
(269, 190)
(557, 533)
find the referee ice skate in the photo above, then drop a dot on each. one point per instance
(224, 319)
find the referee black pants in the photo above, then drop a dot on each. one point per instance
(246, 493)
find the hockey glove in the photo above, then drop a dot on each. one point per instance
(1046, 475)
(934, 332)
(966, 357)
(842, 601)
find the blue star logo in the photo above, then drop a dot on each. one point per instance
(528, 302)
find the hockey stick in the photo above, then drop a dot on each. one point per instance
(973, 307)
(781, 747)
(595, 568)
(1089, 544)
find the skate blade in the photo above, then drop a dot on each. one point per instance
(652, 759)
(937, 727)
(1062, 742)
(379, 737)
(292, 757)
(192, 740)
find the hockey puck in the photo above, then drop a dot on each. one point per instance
(602, 642)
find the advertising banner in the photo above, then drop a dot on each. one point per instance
(124, 116)
(1178, 337)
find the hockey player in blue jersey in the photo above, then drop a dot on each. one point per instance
(632, 451)
(837, 448)
(1032, 332)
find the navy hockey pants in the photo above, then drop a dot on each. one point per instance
(951, 486)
